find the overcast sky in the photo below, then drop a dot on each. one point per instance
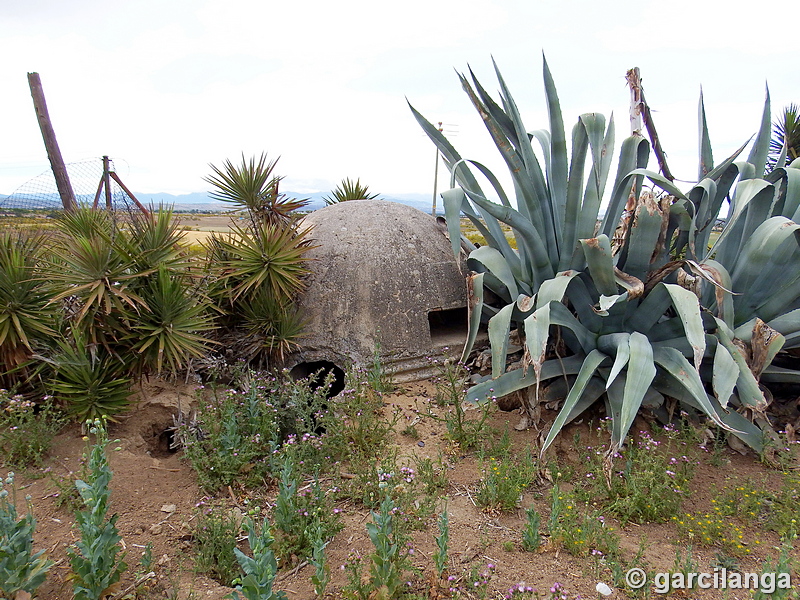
(166, 87)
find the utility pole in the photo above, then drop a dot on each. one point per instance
(50, 144)
(436, 177)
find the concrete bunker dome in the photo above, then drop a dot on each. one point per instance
(382, 274)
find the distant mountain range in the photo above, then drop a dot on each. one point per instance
(202, 202)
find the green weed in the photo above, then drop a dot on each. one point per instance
(27, 429)
(94, 558)
(21, 569)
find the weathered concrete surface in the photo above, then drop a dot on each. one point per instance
(378, 270)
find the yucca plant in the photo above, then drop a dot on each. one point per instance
(26, 315)
(88, 381)
(784, 147)
(253, 186)
(627, 329)
(349, 190)
(172, 331)
(94, 266)
(270, 327)
(268, 257)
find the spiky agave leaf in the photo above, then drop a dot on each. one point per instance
(156, 240)
(94, 262)
(631, 331)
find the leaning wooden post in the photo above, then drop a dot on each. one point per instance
(50, 144)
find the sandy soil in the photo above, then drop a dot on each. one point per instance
(155, 493)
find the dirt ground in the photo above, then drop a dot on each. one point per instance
(155, 493)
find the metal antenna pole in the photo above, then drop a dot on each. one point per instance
(436, 177)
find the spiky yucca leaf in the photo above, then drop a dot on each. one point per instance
(272, 259)
(88, 381)
(271, 328)
(26, 314)
(349, 190)
(253, 186)
(173, 330)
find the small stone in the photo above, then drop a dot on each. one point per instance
(169, 508)
(602, 588)
(156, 528)
(164, 560)
(421, 444)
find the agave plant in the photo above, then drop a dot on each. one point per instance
(617, 322)
(349, 190)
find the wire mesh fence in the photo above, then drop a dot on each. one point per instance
(41, 193)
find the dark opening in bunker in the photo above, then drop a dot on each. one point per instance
(317, 371)
(448, 327)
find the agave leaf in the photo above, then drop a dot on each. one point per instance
(761, 269)
(452, 200)
(513, 161)
(574, 194)
(742, 428)
(606, 302)
(651, 309)
(746, 384)
(557, 175)
(451, 156)
(601, 263)
(560, 315)
(518, 379)
(725, 374)
(587, 371)
(583, 304)
(555, 288)
(760, 149)
(486, 224)
(706, 156)
(474, 310)
(533, 242)
(720, 280)
(499, 328)
(618, 346)
(688, 308)
(746, 192)
(633, 155)
(788, 181)
(496, 264)
(765, 343)
(787, 324)
(775, 374)
(537, 332)
(638, 377)
(642, 245)
(587, 218)
(674, 363)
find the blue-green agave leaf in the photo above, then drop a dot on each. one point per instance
(590, 364)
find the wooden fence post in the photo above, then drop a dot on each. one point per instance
(50, 143)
